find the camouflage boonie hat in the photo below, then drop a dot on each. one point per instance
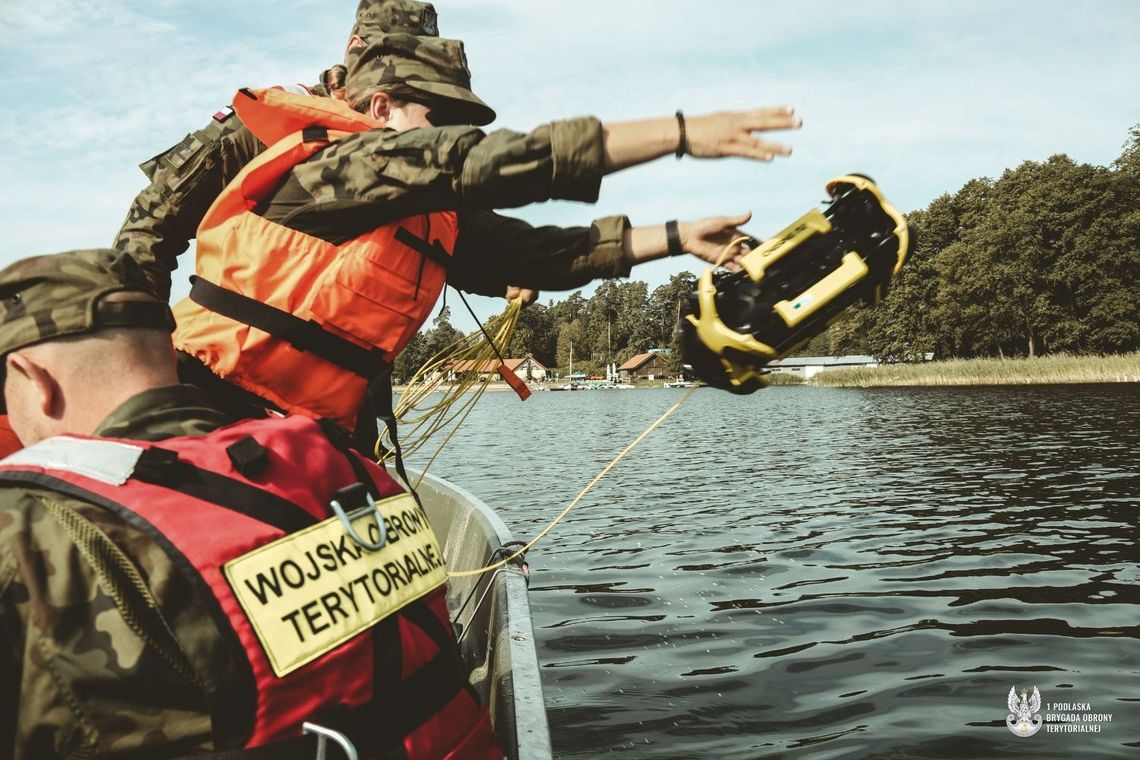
(376, 18)
(63, 294)
(434, 66)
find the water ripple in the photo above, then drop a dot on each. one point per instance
(822, 573)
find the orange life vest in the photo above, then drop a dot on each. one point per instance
(299, 321)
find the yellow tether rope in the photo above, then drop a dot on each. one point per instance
(578, 498)
(606, 469)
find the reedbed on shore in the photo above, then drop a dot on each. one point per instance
(1043, 370)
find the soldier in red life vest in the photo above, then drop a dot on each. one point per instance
(173, 586)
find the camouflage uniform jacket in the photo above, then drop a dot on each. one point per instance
(89, 663)
(380, 176)
(184, 180)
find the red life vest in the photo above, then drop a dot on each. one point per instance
(234, 509)
(299, 321)
(9, 442)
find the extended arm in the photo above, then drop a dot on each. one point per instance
(717, 135)
(495, 250)
(379, 176)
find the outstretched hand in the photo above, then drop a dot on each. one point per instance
(708, 238)
(731, 133)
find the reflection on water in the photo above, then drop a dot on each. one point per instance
(825, 573)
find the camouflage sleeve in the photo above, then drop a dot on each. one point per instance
(390, 175)
(562, 160)
(185, 180)
(494, 251)
(87, 609)
(11, 640)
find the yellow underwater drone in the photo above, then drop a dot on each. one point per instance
(791, 287)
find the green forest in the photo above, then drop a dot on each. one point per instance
(1044, 259)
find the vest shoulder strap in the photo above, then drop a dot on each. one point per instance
(114, 463)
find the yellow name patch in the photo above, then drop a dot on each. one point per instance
(308, 592)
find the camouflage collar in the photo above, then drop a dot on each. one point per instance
(161, 413)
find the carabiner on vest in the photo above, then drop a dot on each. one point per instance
(346, 519)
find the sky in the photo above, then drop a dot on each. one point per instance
(922, 96)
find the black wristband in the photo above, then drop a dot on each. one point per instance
(682, 145)
(673, 239)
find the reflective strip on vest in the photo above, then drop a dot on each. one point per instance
(110, 462)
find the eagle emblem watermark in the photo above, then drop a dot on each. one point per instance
(1023, 718)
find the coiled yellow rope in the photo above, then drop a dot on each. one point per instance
(420, 417)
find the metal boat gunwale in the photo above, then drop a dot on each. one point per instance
(491, 613)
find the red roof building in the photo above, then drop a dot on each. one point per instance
(647, 366)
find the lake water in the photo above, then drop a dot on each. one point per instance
(826, 573)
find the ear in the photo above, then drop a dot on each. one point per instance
(355, 42)
(46, 395)
(380, 108)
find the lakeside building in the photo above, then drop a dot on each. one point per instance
(651, 365)
(528, 368)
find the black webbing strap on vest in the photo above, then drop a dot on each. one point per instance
(315, 133)
(234, 401)
(162, 467)
(428, 251)
(342, 442)
(380, 393)
(431, 251)
(304, 335)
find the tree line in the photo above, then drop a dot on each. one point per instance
(1043, 259)
(620, 320)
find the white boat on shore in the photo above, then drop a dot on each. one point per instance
(569, 387)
